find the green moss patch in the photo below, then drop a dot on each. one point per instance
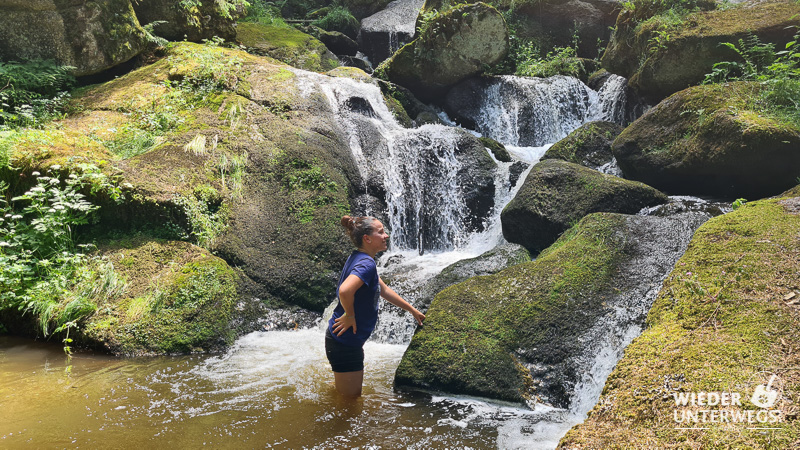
(286, 44)
(179, 299)
(475, 329)
(725, 317)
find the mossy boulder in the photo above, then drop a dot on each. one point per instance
(178, 299)
(523, 334)
(556, 194)
(453, 46)
(552, 23)
(589, 145)
(661, 57)
(498, 150)
(338, 43)
(90, 36)
(286, 44)
(229, 126)
(725, 320)
(488, 263)
(712, 140)
(191, 21)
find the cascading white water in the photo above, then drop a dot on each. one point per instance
(417, 168)
(537, 111)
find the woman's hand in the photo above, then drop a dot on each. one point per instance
(343, 322)
(418, 316)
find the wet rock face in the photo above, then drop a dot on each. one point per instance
(686, 54)
(384, 32)
(589, 145)
(557, 193)
(189, 22)
(88, 35)
(706, 140)
(532, 331)
(451, 47)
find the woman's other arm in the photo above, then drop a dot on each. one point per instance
(394, 298)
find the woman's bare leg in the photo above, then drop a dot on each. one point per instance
(349, 383)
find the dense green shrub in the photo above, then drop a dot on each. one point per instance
(339, 18)
(32, 92)
(43, 270)
(267, 13)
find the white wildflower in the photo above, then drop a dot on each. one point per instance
(35, 173)
(56, 167)
(55, 181)
(16, 217)
(5, 244)
(37, 189)
(58, 207)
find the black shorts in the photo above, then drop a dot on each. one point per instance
(343, 358)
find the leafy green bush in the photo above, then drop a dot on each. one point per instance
(339, 18)
(643, 10)
(44, 271)
(32, 92)
(267, 13)
(559, 61)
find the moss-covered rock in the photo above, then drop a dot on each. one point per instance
(661, 56)
(553, 23)
(90, 36)
(451, 47)
(338, 43)
(229, 126)
(191, 21)
(519, 335)
(589, 145)
(556, 194)
(712, 140)
(725, 320)
(498, 150)
(286, 44)
(179, 299)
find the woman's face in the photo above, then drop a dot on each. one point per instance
(378, 239)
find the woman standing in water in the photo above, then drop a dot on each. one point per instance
(355, 316)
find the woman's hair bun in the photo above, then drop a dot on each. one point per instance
(348, 223)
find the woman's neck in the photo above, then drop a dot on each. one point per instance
(369, 252)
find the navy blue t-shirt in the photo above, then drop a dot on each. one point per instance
(365, 304)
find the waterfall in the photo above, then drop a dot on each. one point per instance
(422, 174)
(529, 112)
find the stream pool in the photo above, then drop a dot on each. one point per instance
(270, 390)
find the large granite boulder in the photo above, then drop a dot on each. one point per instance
(191, 21)
(452, 46)
(529, 333)
(286, 44)
(557, 193)
(589, 145)
(710, 140)
(660, 59)
(90, 36)
(725, 320)
(384, 32)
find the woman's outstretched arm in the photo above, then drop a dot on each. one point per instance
(394, 298)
